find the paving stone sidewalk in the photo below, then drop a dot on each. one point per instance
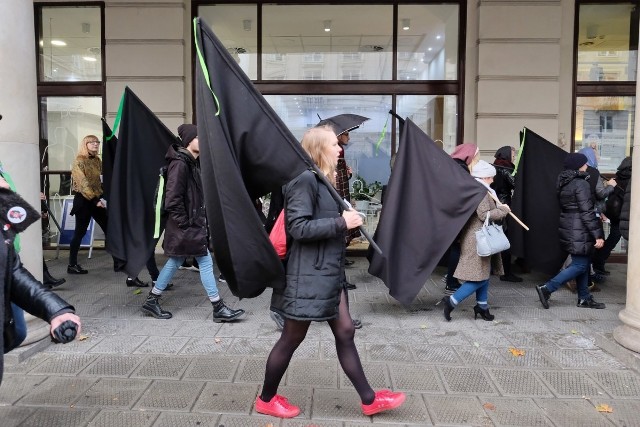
(133, 370)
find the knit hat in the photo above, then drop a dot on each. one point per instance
(575, 161)
(187, 133)
(465, 152)
(483, 169)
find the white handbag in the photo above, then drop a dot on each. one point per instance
(490, 239)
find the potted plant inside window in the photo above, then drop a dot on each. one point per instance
(363, 193)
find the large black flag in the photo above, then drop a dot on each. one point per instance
(143, 141)
(535, 202)
(109, 146)
(428, 201)
(246, 151)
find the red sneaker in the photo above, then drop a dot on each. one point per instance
(279, 407)
(384, 401)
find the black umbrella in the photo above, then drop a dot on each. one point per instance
(343, 122)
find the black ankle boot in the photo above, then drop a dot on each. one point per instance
(50, 281)
(152, 306)
(222, 313)
(544, 295)
(483, 312)
(448, 308)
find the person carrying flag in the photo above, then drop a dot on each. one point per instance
(186, 233)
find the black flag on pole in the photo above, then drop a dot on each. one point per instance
(246, 151)
(430, 198)
(535, 202)
(109, 145)
(143, 141)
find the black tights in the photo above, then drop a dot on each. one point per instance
(292, 336)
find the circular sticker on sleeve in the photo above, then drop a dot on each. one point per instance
(16, 215)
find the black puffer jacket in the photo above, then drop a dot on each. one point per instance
(21, 288)
(316, 256)
(186, 230)
(579, 227)
(625, 214)
(504, 183)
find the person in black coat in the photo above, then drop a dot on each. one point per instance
(19, 286)
(314, 289)
(504, 184)
(580, 231)
(186, 233)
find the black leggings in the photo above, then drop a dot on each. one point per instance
(83, 214)
(292, 336)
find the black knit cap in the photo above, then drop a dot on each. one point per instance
(575, 161)
(187, 133)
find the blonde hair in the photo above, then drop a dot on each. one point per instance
(315, 142)
(82, 147)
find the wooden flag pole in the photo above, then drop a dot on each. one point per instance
(516, 219)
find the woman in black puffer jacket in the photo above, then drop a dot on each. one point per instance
(580, 231)
(314, 290)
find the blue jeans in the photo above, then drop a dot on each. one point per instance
(21, 324)
(207, 277)
(481, 289)
(578, 269)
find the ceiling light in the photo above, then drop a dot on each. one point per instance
(246, 24)
(327, 25)
(58, 43)
(438, 37)
(89, 58)
(429, 49)
(405, 24)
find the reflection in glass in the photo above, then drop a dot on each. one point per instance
(237, 28)
(70, 44)
(65, 121)
(428, 42)
(607, 125)
(368, 152)
(436, 115)
(606, 50)
(327, 42)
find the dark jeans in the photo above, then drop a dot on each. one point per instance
(600, 256)
(84, 210)
(579, 270)
(20, 324)
(454, 257)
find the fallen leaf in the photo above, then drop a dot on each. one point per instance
(489, 406)
(574, 332)
(516, 351)
(217, 340)
(604, 408)
(423, 326)
(137, 292)
(83, 337)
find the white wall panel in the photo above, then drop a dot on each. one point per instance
(162, 96)
(519, 59)
(524, 97)
(144, 60)
(144, 23)
(494, 133)
(520, 21)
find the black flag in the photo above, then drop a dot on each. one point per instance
(429, 199)
(535, 202)
(246, 151)
(109, 146)
(143, 141)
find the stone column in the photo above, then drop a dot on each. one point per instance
(628, 335)
(19, 151)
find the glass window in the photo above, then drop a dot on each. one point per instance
(436, 115)
(70, 45)
(237, 28)
(333, 37)
(607, 42)
(428, 42)
(607, 125)
(369, 150)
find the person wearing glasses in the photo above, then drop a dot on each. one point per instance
(87, 200)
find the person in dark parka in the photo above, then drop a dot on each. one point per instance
(186, 232)
(314, 290)
(580, 231)
(504, 183)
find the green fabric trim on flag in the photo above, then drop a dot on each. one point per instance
(382, 135)
(156, 230)
(7, 177)
(116, 123)
(203, 64)
(515, 169)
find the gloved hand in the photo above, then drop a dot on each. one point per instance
(65, 333)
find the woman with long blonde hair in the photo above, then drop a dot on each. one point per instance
(316, 226)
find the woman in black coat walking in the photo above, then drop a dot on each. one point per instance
(314, 291)
(580, 231)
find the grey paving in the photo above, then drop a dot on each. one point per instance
(133, 370)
